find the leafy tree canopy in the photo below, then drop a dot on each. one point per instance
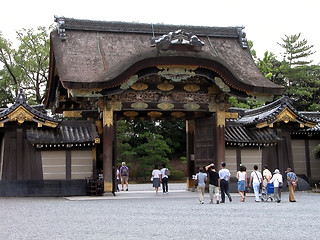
(26, 67)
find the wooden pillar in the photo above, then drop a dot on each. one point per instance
(190, 125)
(68, 164)
(19, 160)
(308, 162)
(107, 148)
(220, 134)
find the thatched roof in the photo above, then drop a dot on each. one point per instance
(103, 55)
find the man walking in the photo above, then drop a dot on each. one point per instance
(214, 182)
(224, 175)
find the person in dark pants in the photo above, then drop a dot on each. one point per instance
(224, 175)
(165, 179)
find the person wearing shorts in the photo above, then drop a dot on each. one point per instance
(214, 183)
(124, 176)
(242, 181)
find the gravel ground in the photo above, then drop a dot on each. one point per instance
(141, 214)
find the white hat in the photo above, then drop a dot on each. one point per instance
(276, 171)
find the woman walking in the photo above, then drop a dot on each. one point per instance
(292, 184)
(242, 181)
(255, 181)
(201, 176)
(277, 183)
(156, 178)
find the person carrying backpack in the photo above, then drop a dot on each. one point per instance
(124, 175)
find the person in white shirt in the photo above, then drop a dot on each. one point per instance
(267, 175)
(242, 181)
(224, 175)
(277, 181)
(165, 179)
(255, 181)
(156, 178)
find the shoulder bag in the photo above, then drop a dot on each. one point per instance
(261, 184)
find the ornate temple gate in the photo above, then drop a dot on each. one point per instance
(153, 98)
(110, 70)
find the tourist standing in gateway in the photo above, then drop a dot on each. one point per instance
(124, 175)
(224, 175)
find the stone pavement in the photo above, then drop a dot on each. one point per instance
(141, 214)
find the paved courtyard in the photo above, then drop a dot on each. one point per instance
(141, 214)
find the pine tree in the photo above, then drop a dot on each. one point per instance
(301, 80)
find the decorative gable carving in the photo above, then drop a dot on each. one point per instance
(179, 37)
(21, 112)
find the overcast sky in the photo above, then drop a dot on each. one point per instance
(265, 22)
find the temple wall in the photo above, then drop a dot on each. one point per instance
(81, 164)
(314, 163)
(299, 157)
(249, 158)
(231, 161)
(54, 164)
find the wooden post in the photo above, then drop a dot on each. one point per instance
(190, 125)
(19, 155)
(220, 134)
(107, 148)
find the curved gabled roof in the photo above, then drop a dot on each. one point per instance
(20, 111)
(277, 111)
(102, 55)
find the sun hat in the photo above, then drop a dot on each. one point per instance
(276, 171)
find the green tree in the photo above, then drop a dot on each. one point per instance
(153, 150)
(28, 66)
(8, 81)
(300, 78)
(316, 152)
(174, 133)
(125, 152)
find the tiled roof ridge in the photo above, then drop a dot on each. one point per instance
(283, 101)
(148, 28)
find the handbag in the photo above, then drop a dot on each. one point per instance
(196, 182)
(280, 183)
(294, 184)
(261, 183)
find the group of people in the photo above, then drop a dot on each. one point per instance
(220, 180)
(217, 180)
(158, 177)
